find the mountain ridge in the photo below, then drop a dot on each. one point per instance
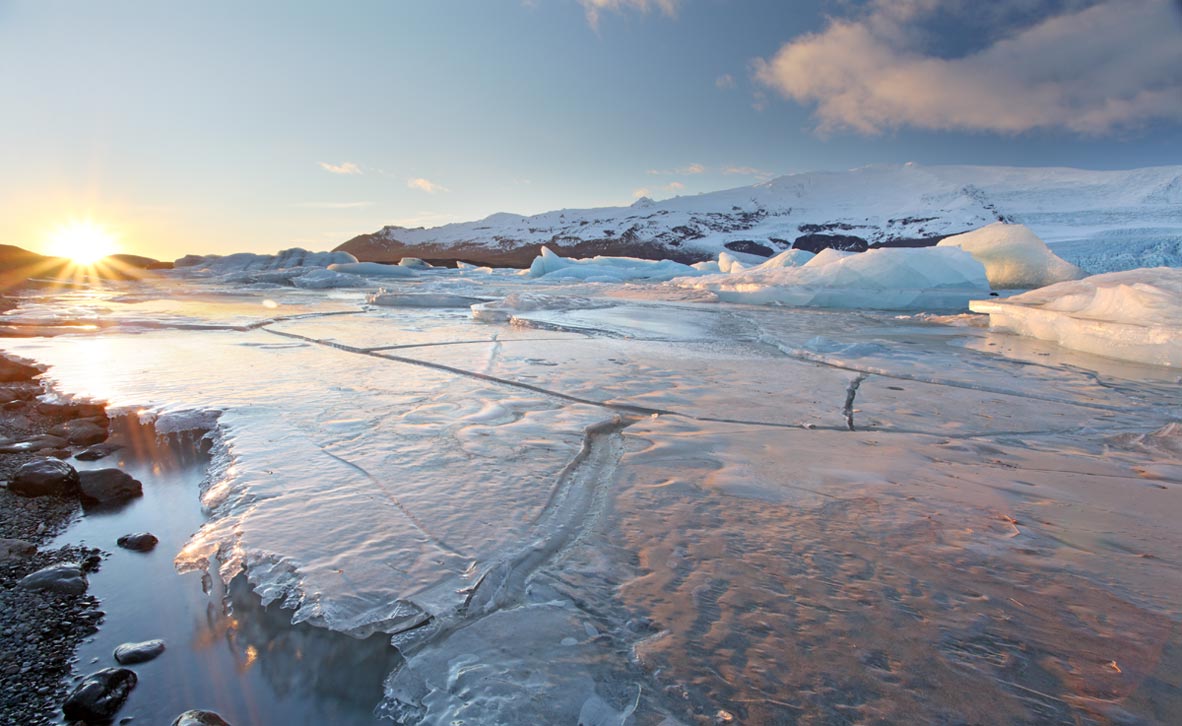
(879, 205)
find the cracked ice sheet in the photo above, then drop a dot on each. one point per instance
(156, 304)
(414, 474)
(795, 576)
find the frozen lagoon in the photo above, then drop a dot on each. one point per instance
(653, 509)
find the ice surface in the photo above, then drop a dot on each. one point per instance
(887, 279)
(604, 269)
(1134, 315)
(1014, 257)
(395, 299)
(640, 509)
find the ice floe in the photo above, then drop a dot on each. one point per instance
(885, 279)
(1134, 315)
(605, 269)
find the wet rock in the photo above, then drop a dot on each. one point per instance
(98, 451)
(71, 410)
(199, 718)
(12, 549)
(11, 371)
(108, 486)
(66, 578)
(130, 653)
(44, 477)
(99, 695)
(34, 443)
(81, 432)
(139, 541)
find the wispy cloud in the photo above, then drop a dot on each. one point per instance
(761, 174)
(426, 185)
(347, 167)
(1092, 67)
(594, 8)
(335, 205)
(725, 82)
(665, 189)
(687, 170)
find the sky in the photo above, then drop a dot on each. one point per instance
(225, 126)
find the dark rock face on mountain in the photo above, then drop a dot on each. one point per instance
(881, 206)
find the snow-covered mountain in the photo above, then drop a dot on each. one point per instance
(1082, 214)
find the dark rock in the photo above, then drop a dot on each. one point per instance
(35, 443)
(11, 370)
(816, 242)
(71, 410)
(11, 549)
(140, 541)
(98, 451)
(81, 432)
(749, 247)
(99, 695)
(108, 486)
(200, 718)
(66, 578)
(130, 653)
(44, 477)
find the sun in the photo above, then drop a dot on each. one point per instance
(83, 242)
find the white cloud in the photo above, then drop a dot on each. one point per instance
(594, 8)
(665, 189)
(426, 185)
(1105, 68)
(686, 170)
(761, 174)
(347, 167)
(725, 82)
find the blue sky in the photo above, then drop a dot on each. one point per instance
(221, 126)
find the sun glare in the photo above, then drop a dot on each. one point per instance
(83, 242)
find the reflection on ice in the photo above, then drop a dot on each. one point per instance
(567, 507)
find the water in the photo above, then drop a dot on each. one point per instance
(651, 510)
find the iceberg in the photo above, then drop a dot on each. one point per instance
(885, 279)
(1014, 257)
(372, 269)
(251, 262)
(605, 269)
(1135, 315)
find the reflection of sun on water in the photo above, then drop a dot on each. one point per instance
(83, 242)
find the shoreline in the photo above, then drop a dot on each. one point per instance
(40, 631)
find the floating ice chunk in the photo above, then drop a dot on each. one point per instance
(415, 262)
(787, 258)
(497, 311)
(709, 267)
(885, 279)
(320, 279)
(372, 269)
(605, 269)
(1014, 257)
(1134, 315)
(728, 263)
(388, 298)
(251, 262)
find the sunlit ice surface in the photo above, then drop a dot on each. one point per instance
(673, 511)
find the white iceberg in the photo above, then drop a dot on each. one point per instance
(1014, 257)
(373, 269)
(605, 269)
(1134, 315)
(885, 279)
(787, 258)
(251, 262)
